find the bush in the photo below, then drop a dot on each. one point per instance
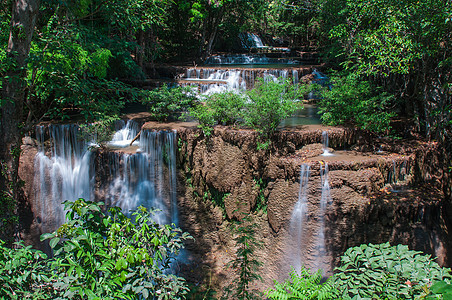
(268, 104)
(224, 108)
(303, 286)
(23, 273)
(351, 100)
(386, 272)
(100, 256)
(165, 102)
(262, 108)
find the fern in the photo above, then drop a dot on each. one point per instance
(303, 286)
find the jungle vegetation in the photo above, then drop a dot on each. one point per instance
(77, 59)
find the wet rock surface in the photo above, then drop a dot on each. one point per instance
(381, 190)
(375, 194)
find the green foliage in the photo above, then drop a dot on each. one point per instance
(220, 108)
(23, 273)
(351, 100)
(260, 186)
(303, 286)
(227, 107)
(269, 103)
(439, 290)
(403, 47)
(204, 114)
(262, 108)
(165, 102)
(67, 73)
(386, 272)
(100, 256)
(99, 132)
(390, 36)
(245, 262)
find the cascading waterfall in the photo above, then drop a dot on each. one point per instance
(295, 77)
(147, 178)
(67, 174)
(248, 59)
(325, 199)
(326, 151)
(298, 219)
(126, 133)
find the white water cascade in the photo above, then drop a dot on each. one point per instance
(237, 80)
(298, 219)
(66, 173)
(147, 178)
(125, 134)
(326, 151)
(325, 198)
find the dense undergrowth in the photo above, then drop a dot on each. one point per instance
(106, 255)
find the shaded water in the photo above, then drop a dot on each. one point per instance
(67, 172)
(146, 178)
(298, 219)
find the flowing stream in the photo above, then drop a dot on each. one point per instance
(298, 219)
(66, 171)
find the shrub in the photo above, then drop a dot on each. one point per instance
(100, 132)
(268, 104)
(227, 107)
(262, 108)
(224, 108)
(351, 100)
(23, 273)
(205, 116)
(303, 286)
(165, 102)
(100, 256)
(245, 262)
(386, 272)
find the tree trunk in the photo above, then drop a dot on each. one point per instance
(24, 13)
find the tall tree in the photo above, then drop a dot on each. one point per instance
(23, 20)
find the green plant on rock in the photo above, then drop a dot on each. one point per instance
(205, 116)
(224, 108)
(245, 262)
(100, 132)
(107, 256)
(386, 272)
(268, 104)
(23, 273)
(165, 102)
(227, 107)
(303, 286)
(355, 101)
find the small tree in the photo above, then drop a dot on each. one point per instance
(245, 263)
(270, 102)
(100, 256)
(303, 286)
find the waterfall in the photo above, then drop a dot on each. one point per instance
(325, 199)
(298, 219)
(250, 40)
(326, 151)
(295, 76)
(67, 174)
(147, 178)
(126, 133)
